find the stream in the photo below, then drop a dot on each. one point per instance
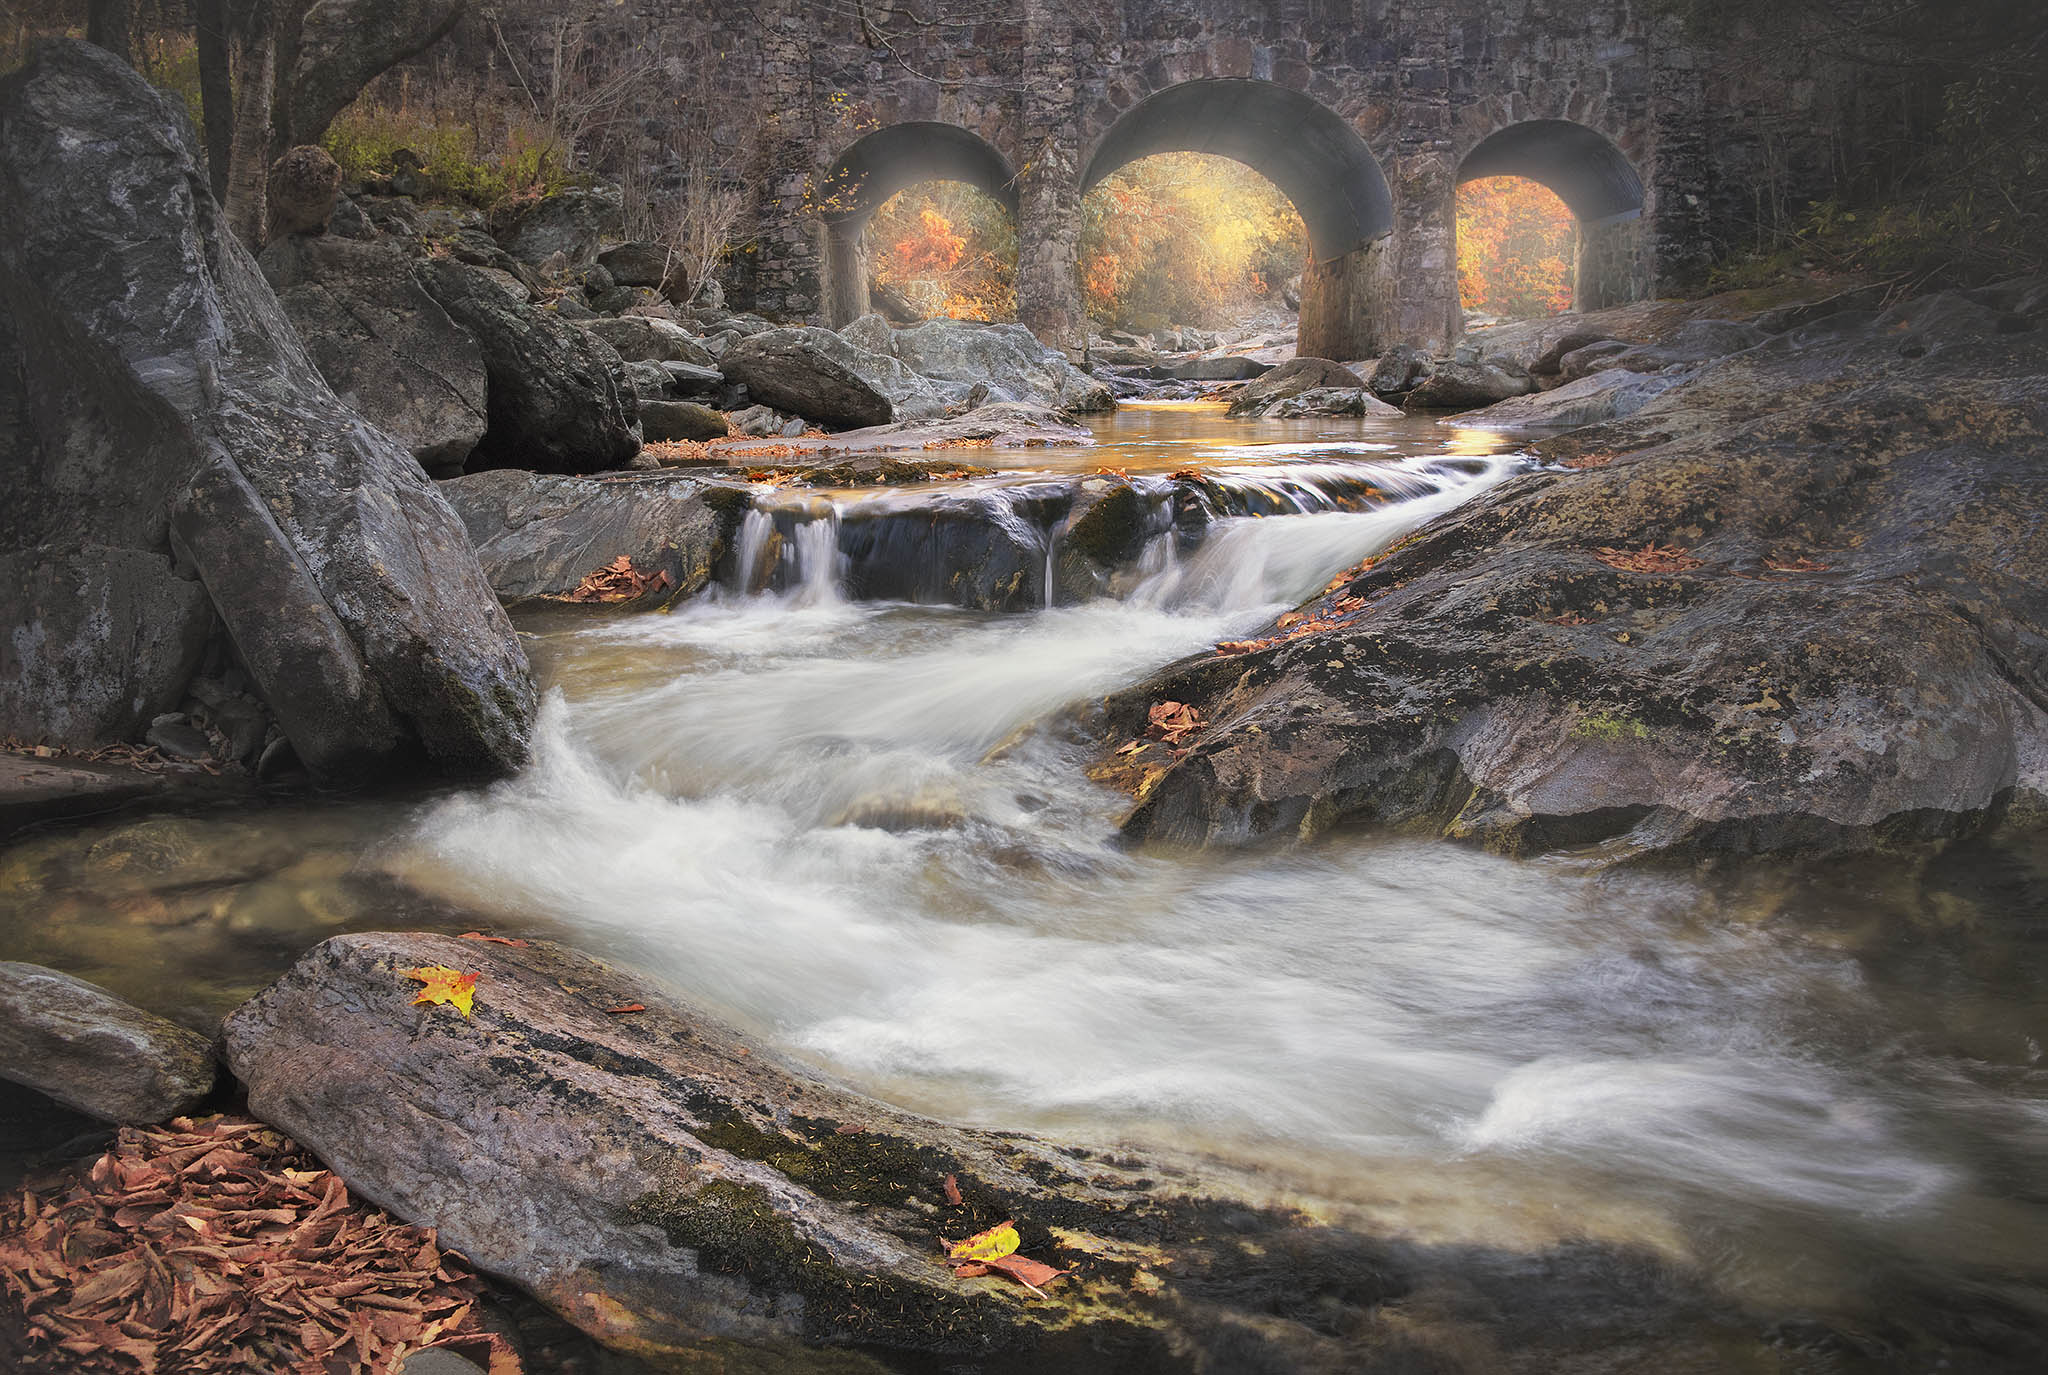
(843, 825)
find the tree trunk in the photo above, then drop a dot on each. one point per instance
(249, 160)
(216, 92)
(106, 24)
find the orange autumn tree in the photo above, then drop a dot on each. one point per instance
(1516, 242)
(950, 249)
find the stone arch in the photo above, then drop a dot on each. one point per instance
(1307, 150)
(1598, 183)
(876, 167)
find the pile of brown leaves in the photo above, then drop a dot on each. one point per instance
(1651, 558)
(983, 443)
(218, 1245)
(618, 581)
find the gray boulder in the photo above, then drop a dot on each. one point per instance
(1460, 385)
(667, 420)
(539, 535)
(635, 264)
(1695, 341)
(1005, 356)
(821, 376)
(1399, 370)
(646, 339)
(384, 345)
(558, 399)
(1329, 401)
(1291, 378)
(1588, 359)
(158, 401)
(688, 379)
(1550, 362)
(572, 223)
(871, 332)
(1228, 368)
(650, 382)
(1612, 394)
(79, 1044)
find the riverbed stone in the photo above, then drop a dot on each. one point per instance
(669, 420)
(572, 222)
(1330, 401)
(823, 377)
(158, 401)
(642, 338)
(1005, 356)
(1596, 399)
(1458, 385)
(1795, 606)
(539, 535)
(89, 1050)
(1291, 378)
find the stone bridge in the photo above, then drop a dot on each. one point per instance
(1368, 114)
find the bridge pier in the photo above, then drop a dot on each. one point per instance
(846, 268)
(1613, 264)
(1346, 304)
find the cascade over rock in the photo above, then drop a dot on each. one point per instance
(1794, 606)
(165, 421)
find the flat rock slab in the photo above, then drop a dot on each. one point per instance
(1006, 425)
(672, 1192)
(89, 1050)
(33, 790)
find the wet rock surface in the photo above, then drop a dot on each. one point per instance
(1794, 606)
(162, 405)
(89, 1050)
(678, 1194)
(540, 535)
(1291, 379)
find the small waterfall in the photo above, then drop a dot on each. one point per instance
(819, 566)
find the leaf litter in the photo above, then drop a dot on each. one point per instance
(214, 1245)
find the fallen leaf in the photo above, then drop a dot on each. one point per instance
(1651, 558)
(444, 985)
(952, 1188)
(1173, 722)
(998, 1241)
(624, 1008)
(848, 1129)
(494, 940)
(1026, 1271)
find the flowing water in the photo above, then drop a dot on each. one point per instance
(839, 824)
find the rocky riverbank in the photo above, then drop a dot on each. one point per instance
(1792, 604)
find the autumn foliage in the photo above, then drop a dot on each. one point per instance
(1186, 238)
(950, 249)
(1516, 245)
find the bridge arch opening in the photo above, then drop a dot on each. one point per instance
(1315, 158)
(1597, 184)
(879, 165)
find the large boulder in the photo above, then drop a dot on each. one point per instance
(540, 535)
(1596, 399)
(1005, 356)
(1291, 378)
(1318, 401)
(1695, 341)
(160, 404)
(821, 376)
(572, 222)
(663, 421)
(645, 339)
(79, 1044)
(1796, 605)
(1225, 368)
(558, 399)
(1460, 384)
(386, 347)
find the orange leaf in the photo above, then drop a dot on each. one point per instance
(494, 940)
(1027, 1272)
(952, 1187)
(444, 985)
(623, 1008)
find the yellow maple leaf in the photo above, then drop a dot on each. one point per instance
(997, 1242)
(444, 985)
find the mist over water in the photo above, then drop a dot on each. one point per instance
(834, 823)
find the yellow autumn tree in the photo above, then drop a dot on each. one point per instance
(1516, 242)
